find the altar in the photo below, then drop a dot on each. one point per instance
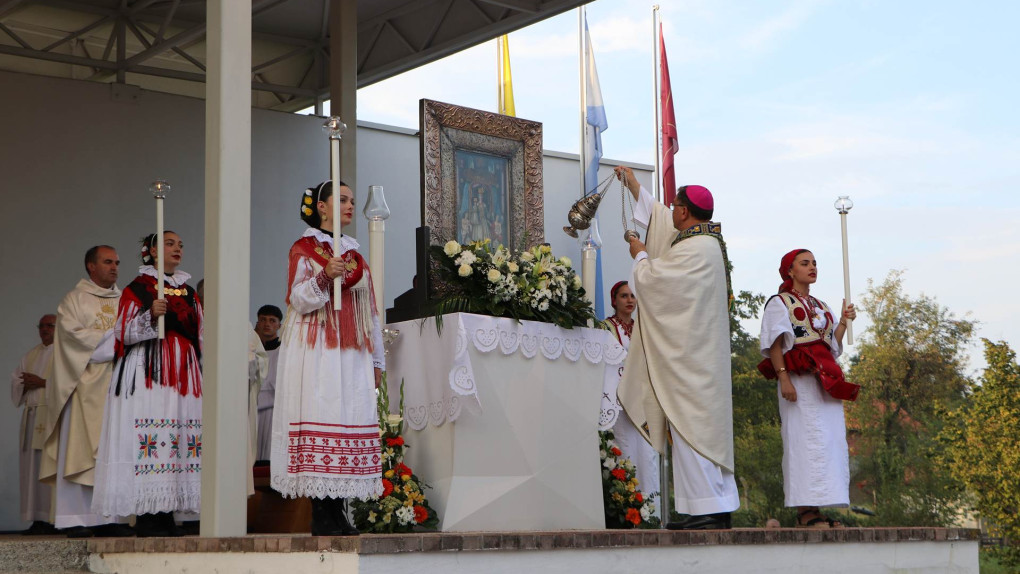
(502, 419)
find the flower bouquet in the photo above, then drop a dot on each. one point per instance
(625, 505)
(402, 505)
(532, 284)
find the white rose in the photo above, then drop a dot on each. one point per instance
(494, 275)
(566, 261)
(512, 267)
(451, 248)
(609, 463)
(577, 282)
(464, 270)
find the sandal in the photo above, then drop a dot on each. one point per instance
(819, 520)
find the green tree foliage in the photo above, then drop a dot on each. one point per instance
(757, 444)
(982, 448)
(909, 362)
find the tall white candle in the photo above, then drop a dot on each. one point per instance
(377, 262)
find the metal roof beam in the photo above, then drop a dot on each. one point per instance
(529, 6)
(74, 35)
(9, 6)
(57, 57)
(15, 37)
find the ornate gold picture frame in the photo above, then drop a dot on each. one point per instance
(481, 176)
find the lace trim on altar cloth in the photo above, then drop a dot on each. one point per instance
(327, 487)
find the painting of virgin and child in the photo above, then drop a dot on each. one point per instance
(482, 197)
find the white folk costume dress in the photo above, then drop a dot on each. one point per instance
(325, 426)
(83, 349)
(612, 416)
(35, 496)
(676, 378)
(150, 454)
(267, 396)
(816, 470)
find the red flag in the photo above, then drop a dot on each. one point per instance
(668, 126)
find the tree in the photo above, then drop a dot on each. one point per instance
(982, 448)
(909, 362)
(757, 443)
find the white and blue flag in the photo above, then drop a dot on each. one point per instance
(594, 124)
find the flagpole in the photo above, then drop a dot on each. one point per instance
(656, 82)
(499, 75)
(582, 80)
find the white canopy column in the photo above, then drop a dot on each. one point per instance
(343, 92)
(227, 253)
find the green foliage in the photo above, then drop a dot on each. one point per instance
(909, 363)
(531, 285)
(757, 444)
(982, 448)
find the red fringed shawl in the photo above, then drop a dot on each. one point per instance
(174, 365)
(351, 326)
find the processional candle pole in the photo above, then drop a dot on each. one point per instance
(843, 205)
(159, 189)
(377, 212)
(335, 129)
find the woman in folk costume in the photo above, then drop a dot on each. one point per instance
(800, 340)
(325, 441)
(628, 438)
(150, 450)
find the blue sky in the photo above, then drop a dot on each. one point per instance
(906, 106)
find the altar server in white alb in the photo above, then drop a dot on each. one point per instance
(325, 426)
(628, 437)
(83, 349)
(267, 328)
(28, 382)
(676, 380)
(800, 340)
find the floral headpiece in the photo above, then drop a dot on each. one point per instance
(148, 249)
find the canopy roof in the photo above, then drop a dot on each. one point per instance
(160, 44)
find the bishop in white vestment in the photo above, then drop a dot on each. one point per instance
(676, 380)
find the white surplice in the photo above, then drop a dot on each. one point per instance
(816, 463)
(267, 396)
(35, 496)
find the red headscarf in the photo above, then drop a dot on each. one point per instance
(784, 268)
(615, 289)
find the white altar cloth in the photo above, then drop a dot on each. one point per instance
(525, 455)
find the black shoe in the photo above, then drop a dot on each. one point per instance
(190, 527)
(324, 521)
(719, 521)
(40, 528)
(346, 528)
(158, 525)
(113, 530)
(78, 532)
